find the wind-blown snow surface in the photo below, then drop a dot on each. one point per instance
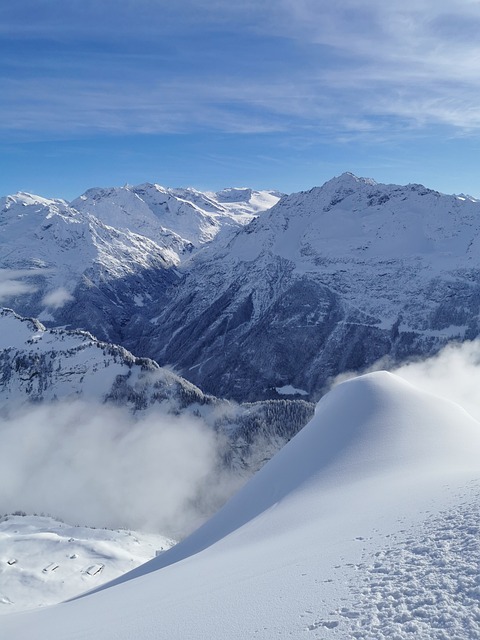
(364, 526)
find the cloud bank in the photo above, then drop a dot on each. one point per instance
(96, 465)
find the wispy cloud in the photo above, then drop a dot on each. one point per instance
(411, 60)
(57, 298)
(14, 282)
(291, 65)
(13, 288)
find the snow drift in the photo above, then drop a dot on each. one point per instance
(326, 530)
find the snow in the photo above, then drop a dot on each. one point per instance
(289, 390)
(53, 245)
(387, 257)
(393, 257)
(80, 363)
(39, 364)
(350, 217)
(364, 526)
(44, 561)
(53, 252)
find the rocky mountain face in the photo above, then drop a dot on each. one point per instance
(326, 281)
(250, 302)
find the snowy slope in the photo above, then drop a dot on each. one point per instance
(327, 280)
(365, 525)
(43, 561)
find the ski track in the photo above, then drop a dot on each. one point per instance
(424, 585)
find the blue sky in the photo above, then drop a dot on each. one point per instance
(279, 94)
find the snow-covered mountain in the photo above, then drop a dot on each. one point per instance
(187, 217)
(41, 365)
(69, 268)
(326, 281)
(364, 526)
(96, 263)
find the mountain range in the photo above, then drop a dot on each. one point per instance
(68, 265)
(251, 295)
(326, 281)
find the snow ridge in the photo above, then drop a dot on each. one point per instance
(37, 364)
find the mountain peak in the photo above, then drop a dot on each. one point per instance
(348, 179)
(234, 194)
(23, 198)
